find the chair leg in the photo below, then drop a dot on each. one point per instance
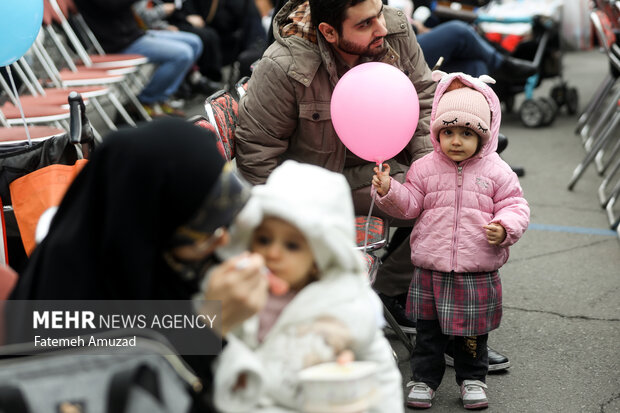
(104, 116)
(596, 146)
(119, 107)
(602, 189)
(597, 99)
(397, 330)
(134, 99)
(601, 163)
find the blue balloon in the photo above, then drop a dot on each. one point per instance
(20, 22)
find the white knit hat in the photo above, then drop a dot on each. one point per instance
(463, 107)
(313, 199)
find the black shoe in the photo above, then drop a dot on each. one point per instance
(205, 87)
(497, 361)
(396, 308)
(513, 68)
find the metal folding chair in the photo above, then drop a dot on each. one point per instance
(589, 123)
(598, 132)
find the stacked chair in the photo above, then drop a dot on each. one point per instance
(598, 124)
(91, 56)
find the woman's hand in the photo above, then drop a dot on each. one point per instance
(242, 289)
(381, 180)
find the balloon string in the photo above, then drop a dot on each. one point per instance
(19, 103)
(372, 204)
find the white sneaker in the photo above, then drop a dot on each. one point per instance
(473, 394)
(420, 395)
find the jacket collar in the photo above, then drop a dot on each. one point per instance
(309, 49)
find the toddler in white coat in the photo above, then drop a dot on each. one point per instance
(302, 222)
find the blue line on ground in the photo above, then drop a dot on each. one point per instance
(573, 230)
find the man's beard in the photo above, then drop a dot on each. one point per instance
(357, 50)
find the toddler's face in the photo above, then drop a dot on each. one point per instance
(458, 142)
(285, 249)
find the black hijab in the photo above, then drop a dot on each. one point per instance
(108, 236)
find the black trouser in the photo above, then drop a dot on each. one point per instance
(210, 61)
(471, 358)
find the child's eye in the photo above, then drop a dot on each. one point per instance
(262, 240)
(467, 133)
(292, 246)
(446, 132)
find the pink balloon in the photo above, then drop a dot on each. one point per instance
(375, 111)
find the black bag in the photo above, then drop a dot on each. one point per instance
(17, 160)
(148, 378)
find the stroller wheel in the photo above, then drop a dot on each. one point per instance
(549, 108)
(558, 94)
(531, 113)
(572, 100)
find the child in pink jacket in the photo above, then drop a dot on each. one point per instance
(469, 208)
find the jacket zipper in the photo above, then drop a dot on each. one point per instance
(459, 190)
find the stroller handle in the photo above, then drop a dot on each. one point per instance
(80, 130)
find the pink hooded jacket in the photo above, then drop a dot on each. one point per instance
(453, 201)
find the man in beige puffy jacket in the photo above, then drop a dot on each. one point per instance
(286, 111)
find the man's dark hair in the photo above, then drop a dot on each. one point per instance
(331, 12)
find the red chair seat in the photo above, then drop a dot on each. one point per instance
(85, 91)
(105, 77)
(117, 60)
(376, 232)
(52, 100)
(203, 123)
(18, 133)
(10, 111)
(225, 109)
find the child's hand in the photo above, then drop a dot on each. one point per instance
(381, 180)
(496, 234)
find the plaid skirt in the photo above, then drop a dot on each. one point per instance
(465, 304)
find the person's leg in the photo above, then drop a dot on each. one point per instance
(471, 363)
(189, 38)
(173, 58)
(497, 360)
(457, 40)
(210, 60)
(471, 358)
(427, 362)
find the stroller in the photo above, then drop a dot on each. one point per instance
(528, 30)
(19, 158)
(535, 37)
